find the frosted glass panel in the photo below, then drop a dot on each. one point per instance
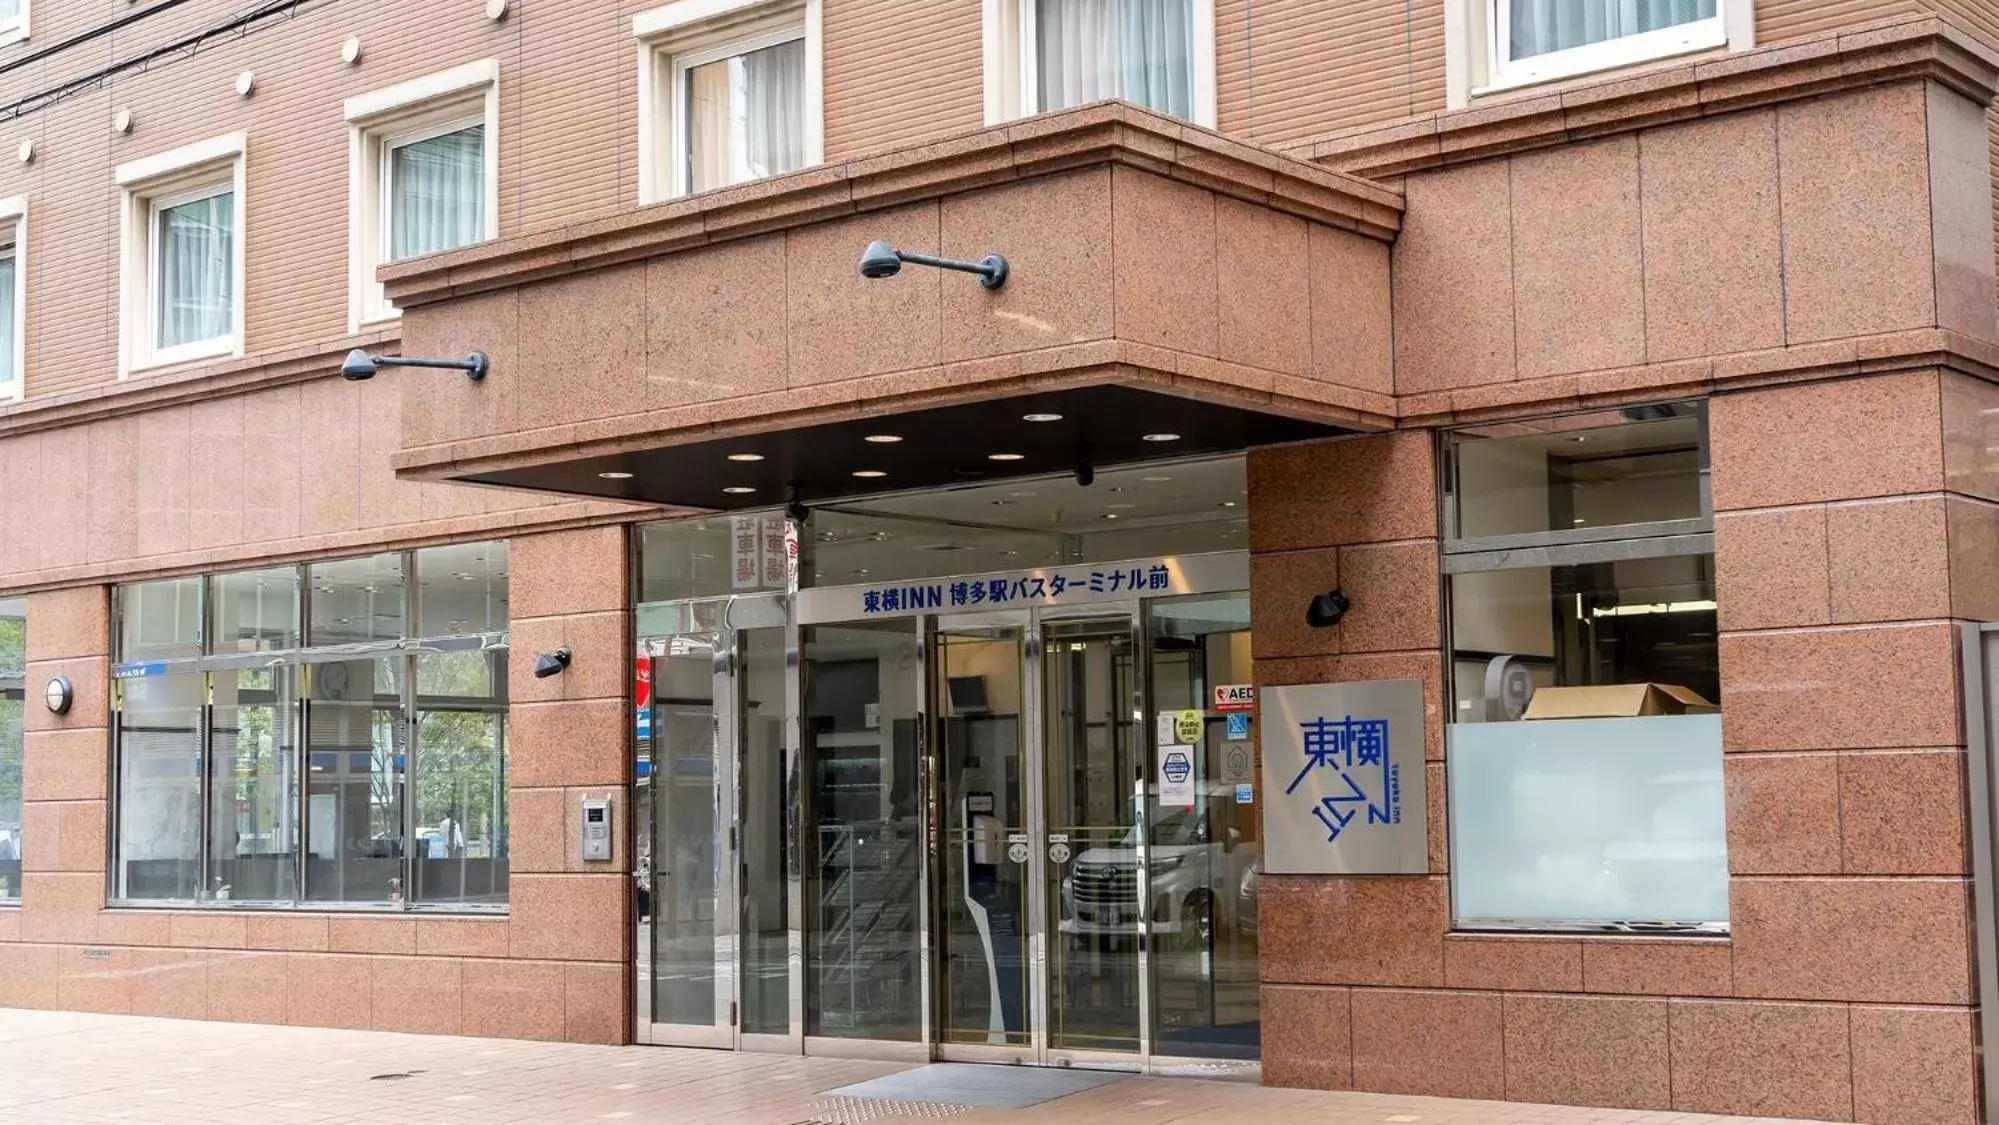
(1589, 821)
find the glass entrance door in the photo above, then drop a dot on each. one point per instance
(1039, 951)
(686, 935)
(717, 900)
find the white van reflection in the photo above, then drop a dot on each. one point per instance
(1191, 873)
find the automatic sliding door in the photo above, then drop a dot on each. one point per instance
(1088, 696)
(684, 874)
(986, 986)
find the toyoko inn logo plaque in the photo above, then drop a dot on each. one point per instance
(1343, 770)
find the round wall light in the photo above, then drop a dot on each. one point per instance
(121, 121)
(27, 151)
(350, 50)
(496, 9)
(58, 694)
(246, 84)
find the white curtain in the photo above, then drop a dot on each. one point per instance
(9, 265)
(437, 193)
(1541, 26)
(746, 116)
(773, 86)
(197, 270)
(1138, 50)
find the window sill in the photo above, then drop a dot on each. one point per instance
(372, 909)
(16, 33)
(222, 347)
(1609, 931)
(1598, 68)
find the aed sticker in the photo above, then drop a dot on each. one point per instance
(1188, 726)
(1235, 697)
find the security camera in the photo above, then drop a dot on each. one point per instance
(551, 663)
(1327, 609)
(358, 365)
(880, 260)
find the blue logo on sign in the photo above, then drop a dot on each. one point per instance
(1177, 767)
(1238, 725)
(1356, 751)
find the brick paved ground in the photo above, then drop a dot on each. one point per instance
(60, 1067)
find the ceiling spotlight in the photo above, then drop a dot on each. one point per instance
(882, 260)
(739, 490)
(1006, 456)
(615, 476)
(1162, 437)
(869, 474)
(746, 456)
(1041, 417)
(883, 439)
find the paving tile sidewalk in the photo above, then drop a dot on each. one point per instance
(60, 1067)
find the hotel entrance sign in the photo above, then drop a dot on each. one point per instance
(1054, 587)
(1343, 778)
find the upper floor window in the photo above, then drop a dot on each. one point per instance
(1508, 43)
(13, 296)
(422, 175)
(731, 92)
(13, 21)
(1045, 55)
(182, 251)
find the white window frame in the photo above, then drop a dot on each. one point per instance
(1476, 32)
(676, 37)
(14, 244)
(380, 122)
(15, 30)
(197, 171)
(1012, 66)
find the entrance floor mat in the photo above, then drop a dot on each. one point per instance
(980, 1086)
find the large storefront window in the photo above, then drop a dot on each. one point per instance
(1584, 767)
(332, 733)
(13, 680)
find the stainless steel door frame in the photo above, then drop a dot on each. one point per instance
(1042, 912)
(723, 801)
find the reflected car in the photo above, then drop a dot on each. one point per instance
(1190, 873)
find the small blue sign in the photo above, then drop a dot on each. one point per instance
(1238, 726)
(1245, 793)
(1177, 767)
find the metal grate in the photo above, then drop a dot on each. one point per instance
(854, 1111)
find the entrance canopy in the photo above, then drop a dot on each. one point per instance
(1163, 281)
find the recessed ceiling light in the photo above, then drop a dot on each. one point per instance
(1020, 495)
(1162, 437)
(1228, 503)
(1155, 480)
(739, 490)
(869, 474)
(746, 456)
(1041, 417)
(1120, 507)
(1006, 456)
(883, 439)
(1110, 515)
(615, 476)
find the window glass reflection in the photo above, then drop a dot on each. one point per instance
(356, 600)
(252, 820)
(356, 757)
(159, 620)
(461, 589)
(461, 777)
(159, 786)
(13, 684)
(253, 611)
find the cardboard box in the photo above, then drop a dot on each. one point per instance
(1616, 701)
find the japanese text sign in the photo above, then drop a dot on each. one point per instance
(1343, 774)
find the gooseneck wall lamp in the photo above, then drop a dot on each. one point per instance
(882, 260)
(360, 365)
